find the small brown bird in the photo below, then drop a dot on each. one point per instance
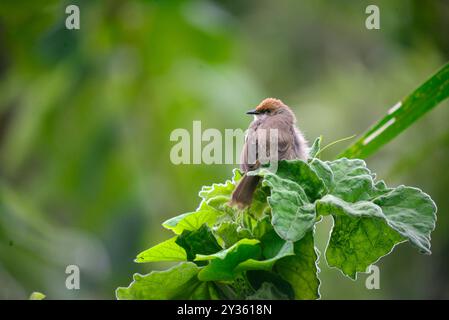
(269, 114)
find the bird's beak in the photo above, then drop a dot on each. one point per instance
(253, 112)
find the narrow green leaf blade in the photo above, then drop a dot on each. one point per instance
(402, 115)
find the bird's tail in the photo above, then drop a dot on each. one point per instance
(243, 194)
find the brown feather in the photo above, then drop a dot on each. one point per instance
(243, 194)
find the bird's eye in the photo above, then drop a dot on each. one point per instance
(268, 111)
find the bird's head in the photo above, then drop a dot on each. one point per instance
(272, 107)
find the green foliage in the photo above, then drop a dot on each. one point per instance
(316, 146)
(200, 241)
(301, 270)
(179, 282)
(37, 296)
(402, 115)
(224, 265)
(168, 250)
(85, 119)
(227, 246)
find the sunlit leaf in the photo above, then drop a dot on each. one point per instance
(179, 282)
(37, 296)
(164, 251)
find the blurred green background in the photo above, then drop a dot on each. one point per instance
(86, 115)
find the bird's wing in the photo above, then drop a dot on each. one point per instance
(286, 143)
(249, 155)
(257, 148)
(290, 142)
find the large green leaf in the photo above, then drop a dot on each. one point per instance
(323, 170)
(179, 282)
(267, 264)
(370, 218)
(218, 195)
(402, 115)
(205, 214)
(292, 213)
(200, 241)
(304, 175)
(410, 212)
(301, 269)
(360, 236)
(231, 232)
(273, 249)
(364, 231)
(164, 251)
(221, 189)
(223, 265)
(352, 180)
